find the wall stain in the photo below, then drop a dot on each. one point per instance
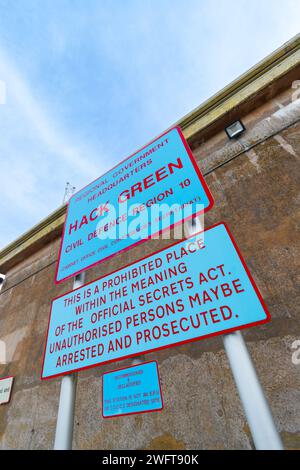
(291, 441)
(166, 442)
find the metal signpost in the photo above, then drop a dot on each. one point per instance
(257, 411)
(256, 407)
(66, 408)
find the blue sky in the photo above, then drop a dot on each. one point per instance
(88, 82)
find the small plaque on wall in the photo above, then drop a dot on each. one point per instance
(6, 384)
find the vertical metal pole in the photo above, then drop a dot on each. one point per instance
(65, 415)
(257, 411)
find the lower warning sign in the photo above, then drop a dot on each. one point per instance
(193, 289)
(135, 389)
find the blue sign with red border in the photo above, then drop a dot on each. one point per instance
(116, 211)
(193, 289)
(134, 389)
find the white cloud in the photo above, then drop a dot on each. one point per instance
(36, 156)
(22, 97)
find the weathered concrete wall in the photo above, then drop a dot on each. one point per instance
(256, 185)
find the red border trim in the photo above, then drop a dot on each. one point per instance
(134, 412)
(10, 393)
(201, 178)
(260, 322)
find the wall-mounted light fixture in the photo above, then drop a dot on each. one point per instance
(235, 129)
(2, 280)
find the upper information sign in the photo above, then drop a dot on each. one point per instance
(154, 189)
(193, 289)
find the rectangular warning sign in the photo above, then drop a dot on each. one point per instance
(193, 289)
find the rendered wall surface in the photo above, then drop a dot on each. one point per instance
(256, 186)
